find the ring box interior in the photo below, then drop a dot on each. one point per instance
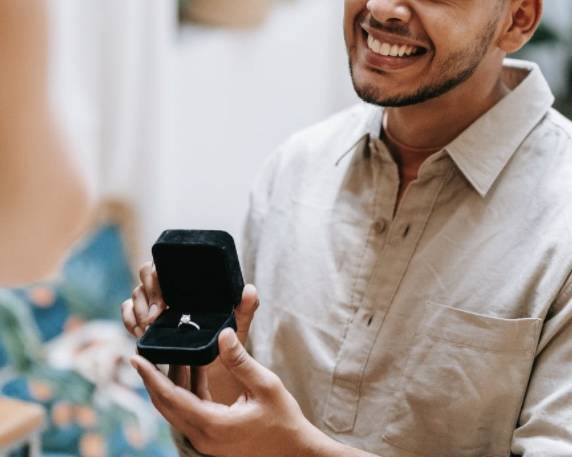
(199, 275)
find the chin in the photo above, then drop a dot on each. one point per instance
(373, 93)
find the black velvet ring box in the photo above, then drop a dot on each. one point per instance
(199, 275)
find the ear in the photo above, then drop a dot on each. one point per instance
(522, 21)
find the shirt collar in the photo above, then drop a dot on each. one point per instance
(368, 126)
(483, 150)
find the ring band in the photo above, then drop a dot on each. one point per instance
(186, 320)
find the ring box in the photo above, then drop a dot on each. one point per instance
(199, 275)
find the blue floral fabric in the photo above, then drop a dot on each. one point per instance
(84, 419)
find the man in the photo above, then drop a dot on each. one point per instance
(415, 283)
(43, 200)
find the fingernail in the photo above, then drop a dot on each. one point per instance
(138, 332)
(249, 288)
(133, 363)
(230, 336)
(153, 311)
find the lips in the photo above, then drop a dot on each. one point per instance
(386, 51)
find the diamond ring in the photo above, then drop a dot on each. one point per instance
(186, 320)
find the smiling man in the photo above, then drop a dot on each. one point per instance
(413, 257)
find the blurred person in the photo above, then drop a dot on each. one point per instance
(413, 256)
(43, 200)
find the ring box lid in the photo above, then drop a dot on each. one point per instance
(198, 271)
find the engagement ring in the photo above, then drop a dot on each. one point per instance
(186, 320)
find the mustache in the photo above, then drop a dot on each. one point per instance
(395, 28)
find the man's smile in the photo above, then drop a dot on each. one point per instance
(387, 51)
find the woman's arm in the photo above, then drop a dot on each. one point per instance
(43, 201)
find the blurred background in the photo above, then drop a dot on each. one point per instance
(174, 115)
(171, 108)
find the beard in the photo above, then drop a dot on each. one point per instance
(455, 70)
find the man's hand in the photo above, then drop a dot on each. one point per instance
(146, 302)
(264, 421)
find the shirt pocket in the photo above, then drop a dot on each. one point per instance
(463, 384)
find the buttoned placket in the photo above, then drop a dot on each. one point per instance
(391, 244)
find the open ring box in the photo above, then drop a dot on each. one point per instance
(199, 275)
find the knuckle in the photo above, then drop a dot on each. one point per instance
(128, 326)
(166, 397)
(270, 383)
(145, 269)
(126, 305)
(136, 292)
(238, 357)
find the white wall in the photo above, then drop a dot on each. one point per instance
(243, 93)
(179, 121)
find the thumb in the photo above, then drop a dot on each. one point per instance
(244, 313)
(247, 371)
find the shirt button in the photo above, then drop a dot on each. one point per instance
(379, 226)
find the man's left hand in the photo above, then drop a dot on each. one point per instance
(265, 420)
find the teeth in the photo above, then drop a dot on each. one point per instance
(373, 44)
(387, 49)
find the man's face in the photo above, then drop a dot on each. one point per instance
(404, 52)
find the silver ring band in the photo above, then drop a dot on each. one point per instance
(186, 320)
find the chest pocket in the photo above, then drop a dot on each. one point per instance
(463, 384)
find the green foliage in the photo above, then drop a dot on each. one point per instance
(545, 34)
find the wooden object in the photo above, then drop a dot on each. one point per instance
(20, 425)
(229, 13)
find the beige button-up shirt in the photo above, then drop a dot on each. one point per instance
(443, 329)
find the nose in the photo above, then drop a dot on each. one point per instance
(389, 10)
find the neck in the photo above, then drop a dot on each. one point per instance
(437, 122)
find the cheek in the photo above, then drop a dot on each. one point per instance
(449, 33)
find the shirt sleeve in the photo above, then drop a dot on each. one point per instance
(545, 424)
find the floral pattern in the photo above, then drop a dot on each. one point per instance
(62, 346)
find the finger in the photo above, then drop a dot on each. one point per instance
(180, 375)
(140, 306)
(128, 318)
(127, 315)
(200, 383)
(150, 281)
(145, 269)
(254, 377)
(173, 401)
(244, 313)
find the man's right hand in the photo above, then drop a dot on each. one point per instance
(146, 304)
